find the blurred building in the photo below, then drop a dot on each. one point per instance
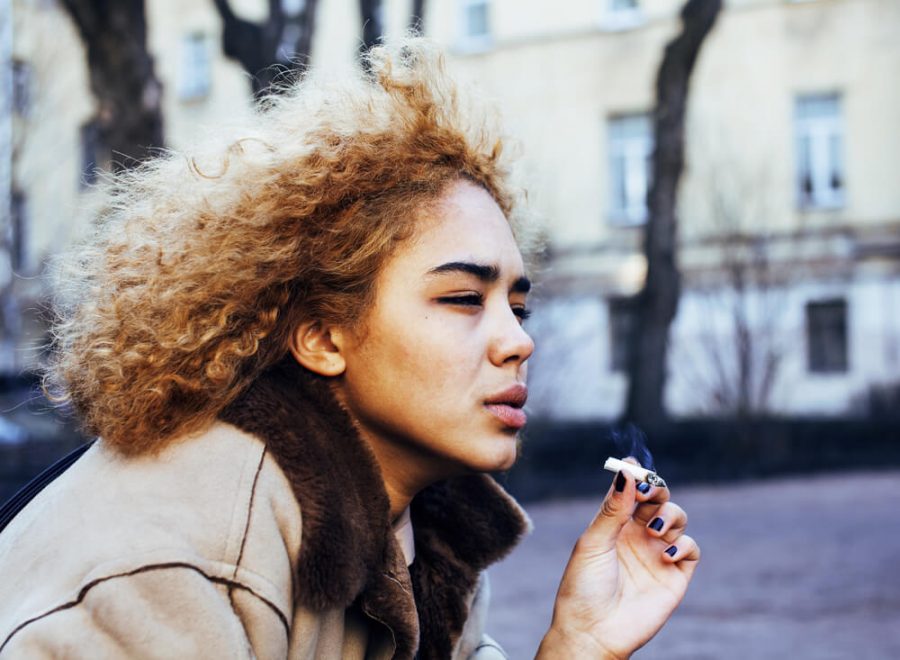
(789, 210)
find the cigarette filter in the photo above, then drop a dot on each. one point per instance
(638, 472)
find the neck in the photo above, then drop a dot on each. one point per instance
(404, 471)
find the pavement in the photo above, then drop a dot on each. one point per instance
(800, 568)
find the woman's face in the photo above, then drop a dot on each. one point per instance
(436, 378)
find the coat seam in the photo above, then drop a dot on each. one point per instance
(240, 555)
(143, 569)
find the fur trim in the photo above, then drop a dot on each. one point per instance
(349, 552)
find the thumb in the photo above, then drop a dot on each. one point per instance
(616, 510)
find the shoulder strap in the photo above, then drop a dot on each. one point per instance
(30, 490)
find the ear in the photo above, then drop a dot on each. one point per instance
(318, 348)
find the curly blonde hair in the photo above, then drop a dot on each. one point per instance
(199, 267)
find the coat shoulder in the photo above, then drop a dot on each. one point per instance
(214, 502)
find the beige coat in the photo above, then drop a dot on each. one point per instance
(267, 536)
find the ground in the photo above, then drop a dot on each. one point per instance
(801, 568)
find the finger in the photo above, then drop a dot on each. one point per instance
(615, 511)
(666, 522)
(684, 552)
(650, 509)
(646, 492)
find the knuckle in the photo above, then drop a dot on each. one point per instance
(608, 509)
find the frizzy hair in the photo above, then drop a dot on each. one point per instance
(199, 266)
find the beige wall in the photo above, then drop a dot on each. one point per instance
(557, 74)
(46, 157)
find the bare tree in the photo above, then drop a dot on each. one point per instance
(129, 122)
(656, 304)
(417, 16)
(373, 21)
(740, 357)
(269, 50)
(372, 24)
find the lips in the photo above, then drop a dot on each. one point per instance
(507, 406)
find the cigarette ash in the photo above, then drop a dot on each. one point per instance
(631, 441)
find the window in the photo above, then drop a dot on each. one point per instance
(820, 166)
(21, 87)
(630, 152)
(826, 336)
(90, 146)
(621, 14)
(476, 23)
(195, 68)
(621, 324)
(293, 7)
(16, 231)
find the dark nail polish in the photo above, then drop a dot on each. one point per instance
(657, 524)
(671, 550)
(620, 482)
(644, 487)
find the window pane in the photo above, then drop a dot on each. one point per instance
(621, 323)
(836, 180)
(90, 145)
(16, 231)
(819, 157)
(293, 7)
(818, 106)
(826, 329)
(622, 5)
(21, 91)
(630, 149)
(195, 67)
(477, 19)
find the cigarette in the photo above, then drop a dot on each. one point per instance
(639, 473)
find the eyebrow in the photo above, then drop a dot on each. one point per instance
(484, 272)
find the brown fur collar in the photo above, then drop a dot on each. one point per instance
(349, 553)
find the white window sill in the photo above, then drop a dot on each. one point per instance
(474, 45)
(813, 206)
(621, 219)
(620, 21)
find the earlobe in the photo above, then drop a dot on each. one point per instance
(317, 348)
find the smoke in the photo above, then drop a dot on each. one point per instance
(631, 441)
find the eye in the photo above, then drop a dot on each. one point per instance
(522, 312)
(469, 300)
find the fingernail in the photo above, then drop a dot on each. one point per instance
(620, 482)
(644, 487)
(671, 550)
(656, 525)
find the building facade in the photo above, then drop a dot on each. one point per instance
(789, 211)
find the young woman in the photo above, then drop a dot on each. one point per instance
(301, 350)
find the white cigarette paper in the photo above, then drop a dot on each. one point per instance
(638, 472)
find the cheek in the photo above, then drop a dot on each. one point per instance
(421, 364)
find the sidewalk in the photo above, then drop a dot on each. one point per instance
(805, 568)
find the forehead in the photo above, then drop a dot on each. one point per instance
(466, 225)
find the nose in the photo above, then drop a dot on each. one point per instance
(509, 342)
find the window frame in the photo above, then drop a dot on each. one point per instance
(620, 321)
(467, 41)
(613, 18)
(195, 73)
(825, 160)
(631, 209)
(818, 359)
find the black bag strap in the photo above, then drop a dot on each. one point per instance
(30, 490)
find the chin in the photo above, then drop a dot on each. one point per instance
(502, 458)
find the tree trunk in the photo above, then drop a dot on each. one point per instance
(372, 27)
(417, 17)
(129, 120)
(656, 304)
(270, 50)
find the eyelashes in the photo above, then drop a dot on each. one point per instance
(476, 300)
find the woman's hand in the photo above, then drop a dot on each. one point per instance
(627, 574)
